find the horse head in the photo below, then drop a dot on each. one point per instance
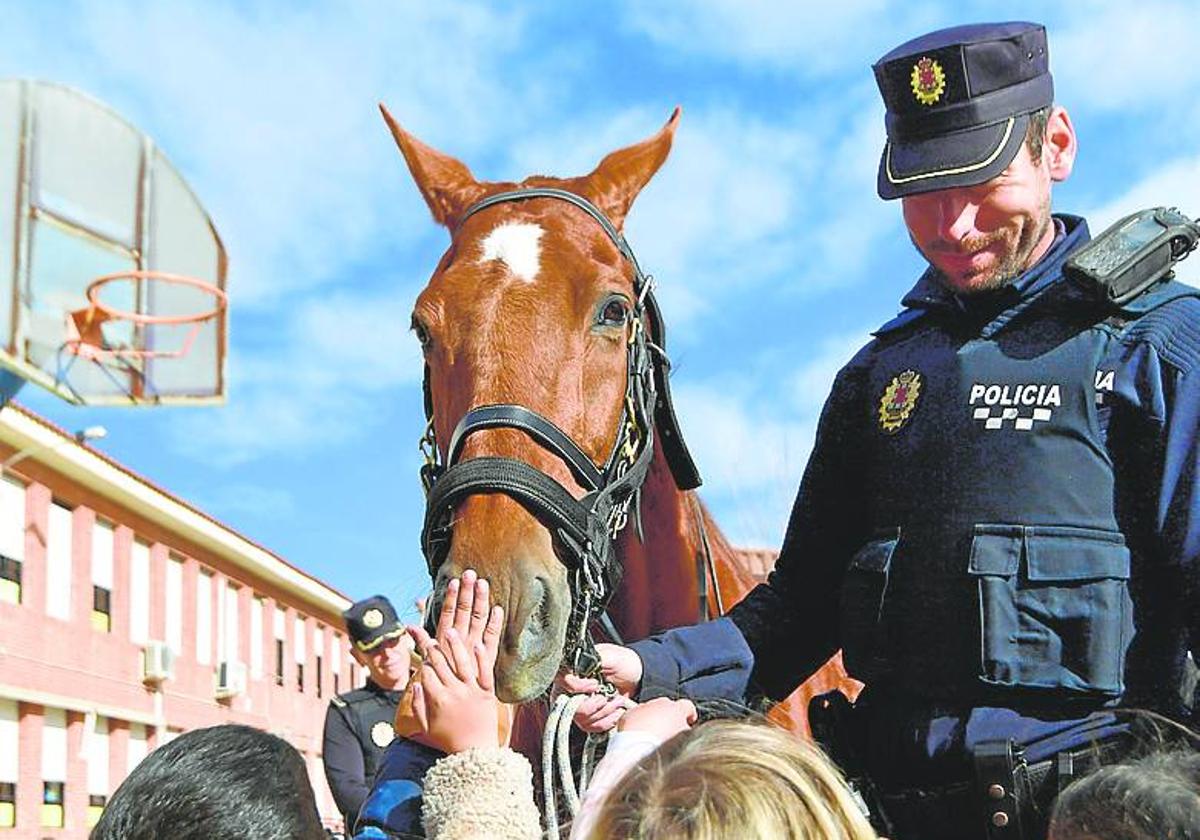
(532, 305)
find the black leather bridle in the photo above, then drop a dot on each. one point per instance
(584, 529)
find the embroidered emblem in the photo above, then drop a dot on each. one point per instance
(928, 81)
(998, 404)
(372, 619)
(898, 401)
(382, 734)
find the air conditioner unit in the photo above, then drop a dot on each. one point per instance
(231, 679)
(158, 662)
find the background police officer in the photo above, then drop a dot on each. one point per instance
(999, 523)
(358, 724)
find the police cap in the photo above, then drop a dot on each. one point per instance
(958, 103)
(370, 621)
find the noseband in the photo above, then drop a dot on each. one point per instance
(584, 529)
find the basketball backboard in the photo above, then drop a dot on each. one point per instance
(83, 196)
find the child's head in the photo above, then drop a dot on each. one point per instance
(1152, 798)
(732, 779)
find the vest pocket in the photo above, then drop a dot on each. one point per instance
(1054, 607)
(863, 591)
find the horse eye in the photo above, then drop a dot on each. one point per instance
(421, 333)
(614, 314)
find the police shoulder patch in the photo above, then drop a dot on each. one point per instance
(899, 400)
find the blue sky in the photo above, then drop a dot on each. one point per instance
(773, 255)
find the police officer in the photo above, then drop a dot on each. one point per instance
(998, 523)
(358, 724)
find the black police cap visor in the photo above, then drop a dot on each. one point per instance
(969, 123)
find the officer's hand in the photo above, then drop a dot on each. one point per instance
(455, 699)
(619, 665)
(661, 717)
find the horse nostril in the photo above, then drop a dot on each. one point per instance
(536, 607)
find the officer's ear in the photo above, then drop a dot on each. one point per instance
(1059, 146)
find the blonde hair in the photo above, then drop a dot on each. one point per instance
(732, 779)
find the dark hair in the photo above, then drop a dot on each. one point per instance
(219, 783)
(1035, 134)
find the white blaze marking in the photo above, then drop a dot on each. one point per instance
(516, 245)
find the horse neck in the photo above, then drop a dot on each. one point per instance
(660, 585)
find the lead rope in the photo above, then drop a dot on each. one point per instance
(556, 748)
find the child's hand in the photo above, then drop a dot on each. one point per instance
(455, 699)
(661, 717)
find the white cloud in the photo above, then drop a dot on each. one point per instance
(314, 382)
(1174, 183)
(810, 39)
(1127, 56)
(743, 205)
(752, 444)
(275, 126)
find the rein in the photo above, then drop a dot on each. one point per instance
(584, 529)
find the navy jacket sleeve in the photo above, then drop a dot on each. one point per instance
(1159, 375)
(785, 629)
(393, 807)
(344, 767)
(791, 621)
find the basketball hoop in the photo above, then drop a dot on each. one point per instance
(86, 339)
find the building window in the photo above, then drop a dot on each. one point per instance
(336, 690)
(96, 803)
(174, 608)
(10, 580)
(101, 609)
(139, 593)
(279, 662)
(8, 805)
(300, 677)
(102, 575)
(52, 805)
(204, 616)
(12, 539)
(320, 693)
(59, 538)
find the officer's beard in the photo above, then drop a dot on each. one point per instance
(1016, 259)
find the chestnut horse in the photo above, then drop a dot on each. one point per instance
(531, 305)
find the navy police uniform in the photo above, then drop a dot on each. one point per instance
(999, 521)
(358, 724)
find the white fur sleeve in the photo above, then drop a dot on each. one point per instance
(481, 792)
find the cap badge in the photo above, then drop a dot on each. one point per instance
(898, 401)
(372, 619)
(382, 734)
(928, 81)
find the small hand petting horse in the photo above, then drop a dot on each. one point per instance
(554, 465)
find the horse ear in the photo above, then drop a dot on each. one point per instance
(446, 183)
(615, 183)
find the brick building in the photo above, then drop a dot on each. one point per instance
(128, 616)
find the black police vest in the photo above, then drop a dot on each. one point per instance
(997, 565)
(372, 711)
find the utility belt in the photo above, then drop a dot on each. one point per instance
(1007, 798)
